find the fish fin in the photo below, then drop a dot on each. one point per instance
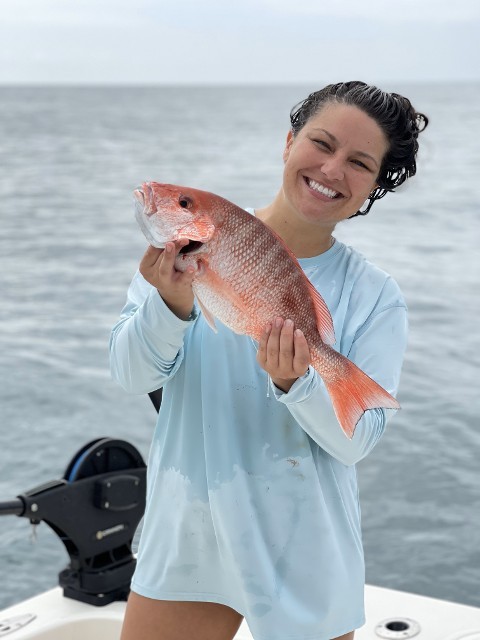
(353, 393)
(324, 318)
(210, 320)
(201, 229)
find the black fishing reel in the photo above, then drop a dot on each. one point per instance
(95, 510)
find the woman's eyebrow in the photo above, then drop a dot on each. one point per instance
(358, 153)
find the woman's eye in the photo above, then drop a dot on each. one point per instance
(323, 144)
(361, 164)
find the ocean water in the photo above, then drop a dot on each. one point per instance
(69, 245)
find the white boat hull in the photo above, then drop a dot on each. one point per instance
(390, 614)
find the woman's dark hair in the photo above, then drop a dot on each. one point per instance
(392, 112)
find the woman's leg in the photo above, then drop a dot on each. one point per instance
(347, 636)
(147, 619)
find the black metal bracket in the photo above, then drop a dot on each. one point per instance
(95, 510)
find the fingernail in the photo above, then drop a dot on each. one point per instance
(298, 333)
(278, 322)
(289, 323)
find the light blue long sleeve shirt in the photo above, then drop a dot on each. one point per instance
(252, 497)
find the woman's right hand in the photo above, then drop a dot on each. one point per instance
(175, 287)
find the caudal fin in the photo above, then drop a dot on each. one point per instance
(353, 393)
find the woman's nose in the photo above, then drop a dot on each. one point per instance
(333, 168)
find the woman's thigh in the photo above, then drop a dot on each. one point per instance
(147, 619)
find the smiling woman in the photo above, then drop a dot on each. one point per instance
(331, 168)
(252, 498)
(349, 143)
(393, 113)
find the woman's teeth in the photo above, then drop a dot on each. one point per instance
(321, 189)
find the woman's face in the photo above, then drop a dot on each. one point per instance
(332, 164)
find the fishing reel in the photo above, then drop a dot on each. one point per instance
(94, 509)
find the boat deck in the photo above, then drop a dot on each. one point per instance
(392, 615)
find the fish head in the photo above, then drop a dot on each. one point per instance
(167, 213)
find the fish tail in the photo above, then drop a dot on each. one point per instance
(352, 393)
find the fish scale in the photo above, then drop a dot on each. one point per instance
(246, 277)
(261, 285)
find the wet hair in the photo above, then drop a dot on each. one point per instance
(393, 113)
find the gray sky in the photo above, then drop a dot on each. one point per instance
(239, 41)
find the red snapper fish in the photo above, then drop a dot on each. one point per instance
(246, 276)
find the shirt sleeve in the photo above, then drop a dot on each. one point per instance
(378, 349)
(146, 344)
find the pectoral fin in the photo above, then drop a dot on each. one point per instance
(210, 320)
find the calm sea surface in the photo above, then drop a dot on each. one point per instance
(69, 245)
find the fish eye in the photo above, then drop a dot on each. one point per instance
(185, 202)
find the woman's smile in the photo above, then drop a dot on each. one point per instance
(322, 189)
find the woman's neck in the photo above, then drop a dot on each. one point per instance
(304, 240)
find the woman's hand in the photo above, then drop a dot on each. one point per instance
(158, 268)
(283, 352)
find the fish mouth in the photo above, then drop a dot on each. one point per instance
(193, 246)
(144, 199)
(144, 209)
(139, 197)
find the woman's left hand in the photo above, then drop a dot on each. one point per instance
(283, 352)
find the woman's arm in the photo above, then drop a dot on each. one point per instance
(146, 344)
(378, 350)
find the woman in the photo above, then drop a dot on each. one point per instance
(252, 505)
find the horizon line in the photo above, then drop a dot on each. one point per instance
(212, 84)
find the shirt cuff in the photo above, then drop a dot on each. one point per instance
(300, 390)
(159, 304)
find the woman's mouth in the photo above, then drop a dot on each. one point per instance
(320, 188)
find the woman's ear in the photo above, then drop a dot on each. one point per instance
(288, 144)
